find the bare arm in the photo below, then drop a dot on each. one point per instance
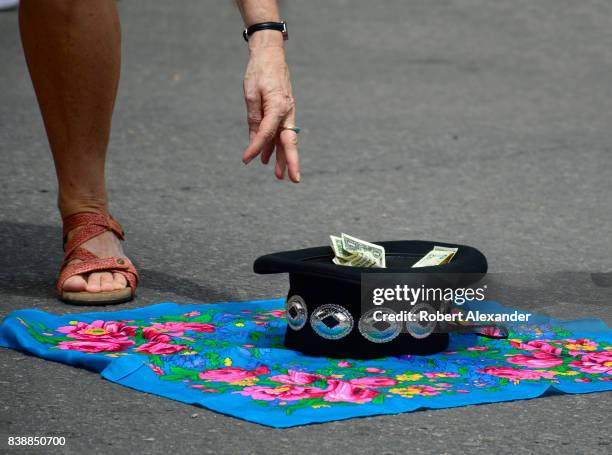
(254, 11)
(268, 93)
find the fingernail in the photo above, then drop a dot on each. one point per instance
(299, 177)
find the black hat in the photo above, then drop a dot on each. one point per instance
(324, 307)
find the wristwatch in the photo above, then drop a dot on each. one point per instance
(280, 26)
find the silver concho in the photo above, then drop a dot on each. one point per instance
(376, 330)
(297, 313)
(421, 328)
(331, 321)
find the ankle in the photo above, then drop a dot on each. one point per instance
(69, 205)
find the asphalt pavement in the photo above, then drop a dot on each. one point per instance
(468, 121)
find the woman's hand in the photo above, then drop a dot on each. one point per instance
(270, 105)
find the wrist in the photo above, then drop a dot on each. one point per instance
(266, 38)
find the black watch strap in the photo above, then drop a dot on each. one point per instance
(279, 26)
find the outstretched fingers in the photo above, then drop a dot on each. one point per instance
(289, 141)
(264, 129)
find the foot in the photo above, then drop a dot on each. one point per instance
(104, 245)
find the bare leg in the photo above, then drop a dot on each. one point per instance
(72, 48)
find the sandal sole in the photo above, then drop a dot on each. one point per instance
(97, 298)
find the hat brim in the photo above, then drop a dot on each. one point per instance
(400, 256)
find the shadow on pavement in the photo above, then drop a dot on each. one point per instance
(562, 294)
(31, 256)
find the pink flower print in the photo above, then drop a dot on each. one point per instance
(278, 313)
(160, 348)
(149, 333)
(594, 363)
(536, 360)
(92, 347)
(373, 382)
(203, 388)
(156, 369)
(342, 391)
(537, 345)
(177, 329)
(515, 373)
(98, 331)
(295, 378)
(284, 392)
(99, 336)
(581, 344)
(232, 374)
(374, 370)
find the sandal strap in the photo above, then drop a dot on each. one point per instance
(82, 254)
(95, 264)
(91, 225)
(131, 276)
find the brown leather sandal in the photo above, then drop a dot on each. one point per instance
(93, 224)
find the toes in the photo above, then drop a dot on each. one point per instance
(107, 283)
(119, 281)
(94, 282)
(75, 283)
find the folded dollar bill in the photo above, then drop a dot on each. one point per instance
(438, 256)
(353, 252)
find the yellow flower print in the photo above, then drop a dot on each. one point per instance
(580, 347)
(406, 392)
(95, 331)
(246, 382)
(408, 377)
(548, 371)
(411, 390)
